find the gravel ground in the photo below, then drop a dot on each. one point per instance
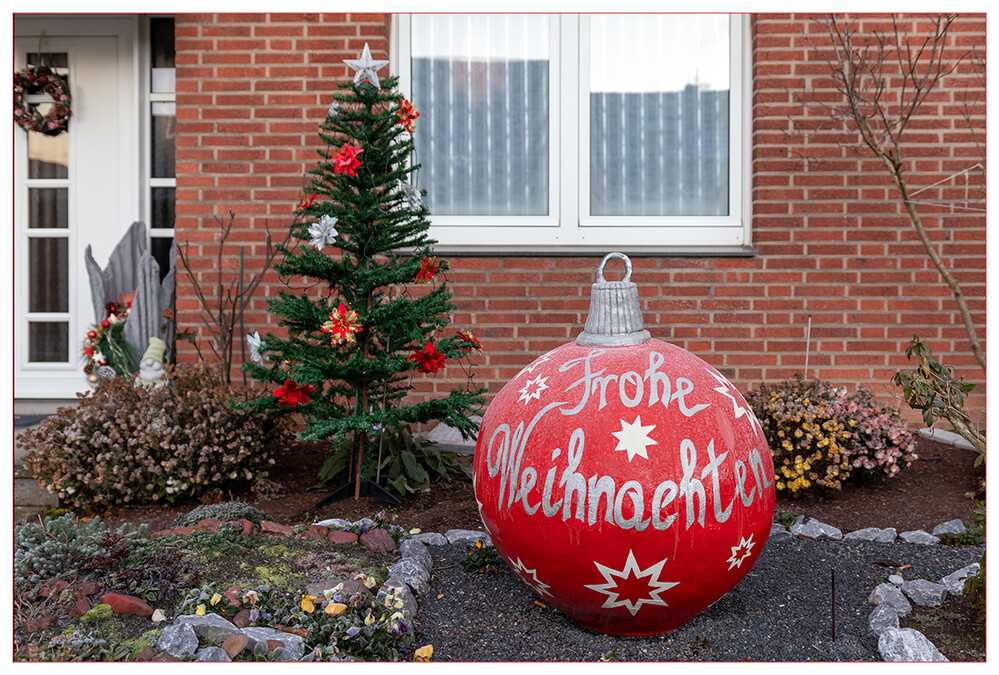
(779, 612)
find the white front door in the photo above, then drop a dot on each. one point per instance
(70, 191)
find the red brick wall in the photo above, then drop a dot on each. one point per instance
(832, 241)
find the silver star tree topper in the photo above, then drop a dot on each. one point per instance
(323, 233)
(366, 67)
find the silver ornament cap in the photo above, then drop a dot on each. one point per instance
(615, 318)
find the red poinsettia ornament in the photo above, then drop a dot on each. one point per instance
(429, 360)
(407, 115)
(342, 325)
(428, 268)
(346, 160)
(291, 395)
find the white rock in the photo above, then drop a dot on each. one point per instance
(813, 529)
(158, 616)
(882, 618)
(896, 579)
(925, 593)
(430, 538)
(907, 644)
(292, 643)
(950, 527)
(955, 580)
(468, 537)
(886, 535)
(209, 627)
(212, 654)
(417, 552)
(334, 523)
(919, 537)
(412, 573)
(889, 594)
(178, 640)
(778, 533)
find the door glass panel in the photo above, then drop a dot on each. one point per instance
(48, 208)
(48, 341)
(163, 209)
(659, 135)
(48, 156)
(164, 125)
(48, 265)
(57, 61)
(160, 249)
(162, 56)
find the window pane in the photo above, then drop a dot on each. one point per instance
(659, 125)
(160, 249)
(48, 207)
(48, 341)
(48, 274)
(480, 83)
(162, 56)
(163, 209)
(163, 139)
(48, 156)
(57, 61)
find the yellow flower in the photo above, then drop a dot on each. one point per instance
(370, 582)
(415, 530)
(478, 544)
(307, 605)
(369, 619)
(423, 653)
(200, 611)
(336, 608)
(216, 599)
(251, 597)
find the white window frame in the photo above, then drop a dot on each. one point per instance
(149, 97)
(569, 227)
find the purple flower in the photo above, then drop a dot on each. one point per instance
(353, 631)
(254, 615)
(337, 597)
(364, 529)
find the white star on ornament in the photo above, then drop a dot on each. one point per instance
(746, 412)
(634, 438)
(323, 233)
(536, 585)
(526, 394)
(741, 552)
(334, 109)
(613, 588)
(366, 67)
(253, 342)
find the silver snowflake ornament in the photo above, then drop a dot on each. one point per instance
(323, 232)
(254, 343)
(366, 68)
(411, 197)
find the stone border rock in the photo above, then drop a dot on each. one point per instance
(891, 600)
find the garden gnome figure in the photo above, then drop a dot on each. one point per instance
(151, 365)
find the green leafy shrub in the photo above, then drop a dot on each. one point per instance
(480, 558)
(225, 511)
(67, 548)
(124, 443)
(821, 436)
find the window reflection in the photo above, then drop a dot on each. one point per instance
(164, 125)
(48, 341)
(48, 208)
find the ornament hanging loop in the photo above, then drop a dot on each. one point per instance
(614, 256)
(615, 318)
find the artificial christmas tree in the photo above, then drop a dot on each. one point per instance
(376, 308)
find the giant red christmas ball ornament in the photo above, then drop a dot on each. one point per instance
(624, 479)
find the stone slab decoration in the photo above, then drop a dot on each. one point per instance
(955, 580)
(907, 644)
(468, 537)
(919, 537)
(417, 552)
(925, 593)
(889, 594)
(813, 529)
(412, 574)
(212, 654)
(430, 538)
(778, 532)
(210, 627)
(178, 640)
(950, 527)
(883, 617)
(884, 536)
